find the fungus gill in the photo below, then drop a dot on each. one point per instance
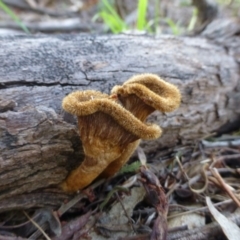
(141, 95)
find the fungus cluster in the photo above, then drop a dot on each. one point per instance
(111, 126)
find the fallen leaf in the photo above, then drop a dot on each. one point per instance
(230, 229)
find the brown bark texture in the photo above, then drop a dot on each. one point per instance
(39, 143)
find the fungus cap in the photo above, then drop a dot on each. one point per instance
(152, 90)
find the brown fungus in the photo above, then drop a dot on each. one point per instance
(107, 130)
(111, 127)
(141, 95)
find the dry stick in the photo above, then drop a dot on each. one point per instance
(220, 180)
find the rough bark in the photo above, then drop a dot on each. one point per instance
(39, 143)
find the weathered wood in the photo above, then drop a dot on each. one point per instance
(39, 143)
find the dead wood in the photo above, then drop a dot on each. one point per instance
(21, 4)
(39, 143)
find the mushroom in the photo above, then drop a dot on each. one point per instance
(107, 131)
(141, 95)
(111, 126)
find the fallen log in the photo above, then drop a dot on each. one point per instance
(39, 143)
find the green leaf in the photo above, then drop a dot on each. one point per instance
(133, 167)
(7, 10)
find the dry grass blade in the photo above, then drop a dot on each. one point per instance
(65, 207)
(32, 3)
(225, 186)
(230, 229)
(201, 209)
(142, 156)
(129, 182)
(182, 168)
(37, 226)
(203, 189)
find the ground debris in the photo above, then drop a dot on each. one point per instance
(163, 199)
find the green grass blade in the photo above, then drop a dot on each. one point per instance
(114, 13)
(174, 27)
(111, 22)
(7, 10)
(142, 10)
(156, 15)
(193, 20)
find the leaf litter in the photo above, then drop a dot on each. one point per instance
(187, 192)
